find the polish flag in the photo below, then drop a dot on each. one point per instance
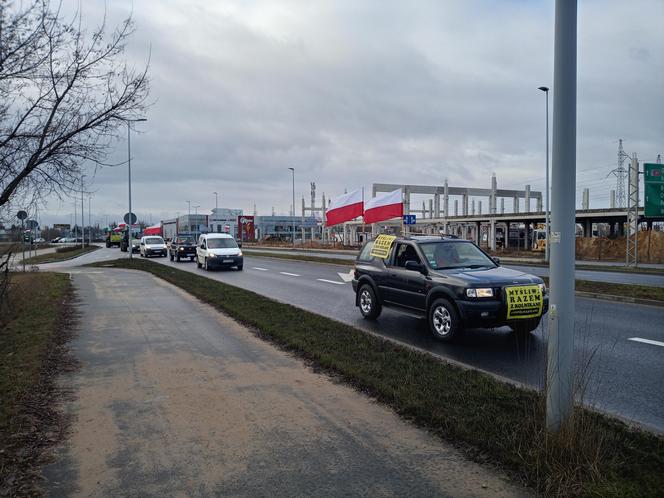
(344, 208)
(384, 207)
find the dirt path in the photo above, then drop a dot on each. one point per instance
(175, 399)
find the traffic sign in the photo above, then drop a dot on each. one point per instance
(654, 190)
(32, 224)
(133, 219)
(21, 215)
(409, 219)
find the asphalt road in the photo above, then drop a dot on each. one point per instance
(623, 376)
(175, 399)
(598, 275)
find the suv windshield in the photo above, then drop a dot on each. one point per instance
(154, 240)
(447, 255)
(185, 241)
(221, 243)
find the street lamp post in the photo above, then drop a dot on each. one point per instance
(129, 121)
(546, 213)
(196, 217)
(293, 213)
(82, 214)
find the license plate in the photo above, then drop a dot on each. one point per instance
(524, 301)
(228, 261)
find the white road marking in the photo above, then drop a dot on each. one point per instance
(259, 269)
(330, 281)
(646, 341)
(289, 274)
(346, 277)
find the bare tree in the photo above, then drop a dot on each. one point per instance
(63, 94)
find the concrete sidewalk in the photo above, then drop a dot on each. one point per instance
(175, 399)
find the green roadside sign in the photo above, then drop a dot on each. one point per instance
(654, 190)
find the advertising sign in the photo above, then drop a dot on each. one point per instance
(382, 246)
(654, 190)
(524, 301)
(245, 228)
(61, 226)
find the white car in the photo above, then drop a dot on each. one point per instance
(218, 250)
(152, 245)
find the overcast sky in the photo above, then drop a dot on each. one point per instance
(355, 92)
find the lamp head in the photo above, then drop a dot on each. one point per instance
(543, 88)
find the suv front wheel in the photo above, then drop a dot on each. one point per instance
(369, 305)
(444, 321)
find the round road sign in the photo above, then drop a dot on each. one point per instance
(21, 215)
(133, 219)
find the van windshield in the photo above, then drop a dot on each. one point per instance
(221, 243)
(154, 240)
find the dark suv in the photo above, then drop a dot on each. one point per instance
(182, 247)
(452, 283)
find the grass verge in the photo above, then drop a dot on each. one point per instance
(33, 351)
(492, 421)
(59, 255)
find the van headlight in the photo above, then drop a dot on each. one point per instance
(482, 292)
(542, 288)
(212, 255)
(239, 253)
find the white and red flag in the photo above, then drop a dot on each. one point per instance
(346, 207)
(384, 207)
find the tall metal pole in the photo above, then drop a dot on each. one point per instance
(129, 248)
(293, 213)
(546, 207)
(216, 200)
(559, 400)
(129, 121)
(89, 220)
(82, 214)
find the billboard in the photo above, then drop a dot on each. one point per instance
(245, 228)
(61, 226)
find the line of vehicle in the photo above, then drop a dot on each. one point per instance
(646, 341)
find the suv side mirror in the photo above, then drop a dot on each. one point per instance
(496, 259)
(414, 266)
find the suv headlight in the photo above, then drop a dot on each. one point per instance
(542, 288)
(483, 292)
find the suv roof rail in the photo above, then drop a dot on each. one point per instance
(431, 237)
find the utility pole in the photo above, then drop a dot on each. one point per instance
(632, 238)
(546, 207)
(82, 215)
(621, 174)
(293, 213)
(559, 396)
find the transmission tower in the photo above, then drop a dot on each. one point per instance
(621, 175)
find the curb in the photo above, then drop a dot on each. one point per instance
(620, 299)
(61, 260)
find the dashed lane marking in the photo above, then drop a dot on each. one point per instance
(329, 281)
(289, 274)
(259, 269)
(647, 341)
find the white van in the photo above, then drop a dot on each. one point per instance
(218, 250)
(152, 245)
